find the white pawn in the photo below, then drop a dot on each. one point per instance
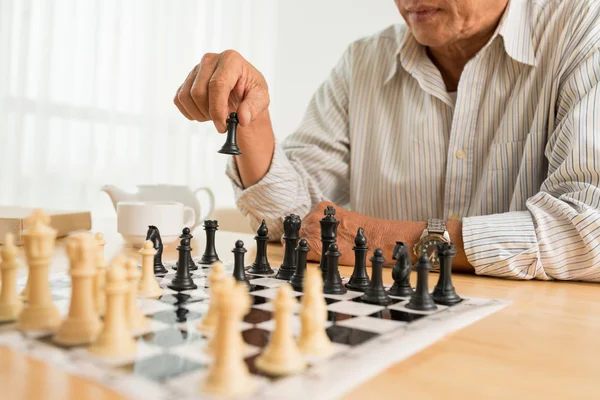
(148, 286)
(228, 375)
(82, 325)
(216, 277)
(135, 318)
(100, 277)
(115, 340)
(282, 356)
(313, 339)
(10, 302)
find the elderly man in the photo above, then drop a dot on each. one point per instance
(477, 119)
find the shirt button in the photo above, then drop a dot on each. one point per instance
(454, 217)
(460, 154)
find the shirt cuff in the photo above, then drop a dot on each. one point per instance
(503, 245)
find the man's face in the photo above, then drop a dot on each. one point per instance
(436, 23)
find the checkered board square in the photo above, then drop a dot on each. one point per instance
(171, 358)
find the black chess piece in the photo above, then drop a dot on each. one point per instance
(239, 271)
(291, 232)
(210, 252)
(375, 292)
(185, 233)
(401, 272)
(230, 146)
(297, 279)
(328, 236)
(153, 234)
(261, 265)
(359, 281)
(421, 300)
(183, 279)
(444, 292)
(333, 283)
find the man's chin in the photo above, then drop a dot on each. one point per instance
(429, 38)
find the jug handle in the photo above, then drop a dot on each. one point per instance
(211, 198)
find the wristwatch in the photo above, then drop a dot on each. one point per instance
(434, 233)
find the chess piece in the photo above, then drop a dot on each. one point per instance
(153, 235)
(401, 272)
(25, 292)
(210, 252)
(183, 280)
(329, 227)
(115, 339)
(282, 356)
(333, 283)
(135, 318)
(100, 276)
(444, 292)
(313, 339)
(297, 279)
(230, 146)
(82, 324)
(185, 233)
(40, 313)
(261, 264)
(291, 228)
(421, 300)
(239, 272)
(228, 375)
(148, 286)
(10, 302)
(375, 292)
(215, 278)
(359, 281)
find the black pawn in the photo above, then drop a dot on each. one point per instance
(291, 229)
(444, 292)
(328, 236)
(153, 234)
(421, 300)
(183, 279)
(401, 272)
(261, 265)
(185, 233)
(210, 252)
(359, 281)
(230, 146)
(297, 279)
(239, 272)
(333, 283)
(375, 292)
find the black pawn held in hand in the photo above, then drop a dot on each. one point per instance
(401, 272)
(421, 300)
(239, 272)
(297, 279)
(328, 236)
(359, 281)
(333, 282)
(153, 235)
(444, 292)
(183, 279)
(291, 233)
(185, 233)
(230, 146)
(210, 252)
(261, 265)
(375, 292)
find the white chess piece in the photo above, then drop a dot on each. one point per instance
(313, 339)
(82, 324)
(282, 356)
(100, 277)
(216, 277)
(10, 302)
(115, 339)
(148, 286)
(40, 313)
(228, 375)
(135, 318)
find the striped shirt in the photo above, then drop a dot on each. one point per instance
(516, 157)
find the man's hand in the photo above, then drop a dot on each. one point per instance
(220, 84)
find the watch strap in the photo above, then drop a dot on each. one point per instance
(436, 225)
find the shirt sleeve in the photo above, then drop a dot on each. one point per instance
(309, 166)
(558, 236)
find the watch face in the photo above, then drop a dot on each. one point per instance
(429, 246)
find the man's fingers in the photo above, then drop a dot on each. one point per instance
(255, 102)
(227, 73)
(180, 106)
(199, 88)
(184, 98)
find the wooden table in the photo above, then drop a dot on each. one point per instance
(545, 345)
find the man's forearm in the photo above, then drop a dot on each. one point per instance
(257, 143)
